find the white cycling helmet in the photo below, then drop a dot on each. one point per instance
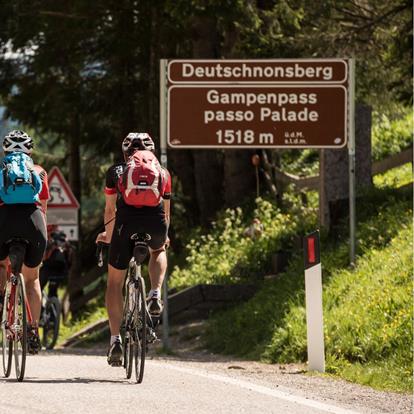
(137, 141)
(18, 141)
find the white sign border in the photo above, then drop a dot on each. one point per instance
(224, 146)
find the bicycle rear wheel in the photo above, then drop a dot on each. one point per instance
(20, 328)
(140, 327)
(52, 322)
(128, 339)
(6, 344)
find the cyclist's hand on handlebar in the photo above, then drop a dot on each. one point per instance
(102, 237)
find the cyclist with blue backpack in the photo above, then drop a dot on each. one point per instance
(23, 203)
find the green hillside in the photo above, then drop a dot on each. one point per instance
(367, 310)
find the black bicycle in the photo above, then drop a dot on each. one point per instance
(50, 315)
(137, 325)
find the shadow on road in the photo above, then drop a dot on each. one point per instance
(71, 381)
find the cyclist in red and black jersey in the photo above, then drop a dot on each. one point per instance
(27, 222)
(122, 221)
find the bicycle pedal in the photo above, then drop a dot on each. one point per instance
(116, 364)
(151, 337)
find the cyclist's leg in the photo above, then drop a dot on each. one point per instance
(33, 291)
(3, 278)
(3, 250)
(36, 235)
(120, 253)
(157, 267)
(3, 274)
(114, 299)
(157, 228)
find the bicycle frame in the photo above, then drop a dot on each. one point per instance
(10, 306)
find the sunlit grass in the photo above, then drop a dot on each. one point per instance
(396, 177)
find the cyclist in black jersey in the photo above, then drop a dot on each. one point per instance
(121, 222)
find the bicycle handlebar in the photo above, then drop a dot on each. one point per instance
(99, 252)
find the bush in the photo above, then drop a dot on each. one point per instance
(226, 255)
(391, 136)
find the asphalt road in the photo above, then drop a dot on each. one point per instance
(66, 383)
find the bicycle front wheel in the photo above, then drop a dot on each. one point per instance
(52, 321)
(6, 343)
(20, 328)
(140, 327)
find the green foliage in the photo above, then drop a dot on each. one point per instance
(93, 312)
(227, 255)
(390, 136)
(367, 310)
(395, 178)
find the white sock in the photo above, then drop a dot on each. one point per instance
(115, 338)
(154, 293)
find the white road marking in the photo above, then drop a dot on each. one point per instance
(258, 388)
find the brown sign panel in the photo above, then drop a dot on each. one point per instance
(300, 71)
(247, 116)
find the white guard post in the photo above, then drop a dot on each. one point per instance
(163, 147)
(314, 311)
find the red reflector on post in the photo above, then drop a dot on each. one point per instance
(311, 250)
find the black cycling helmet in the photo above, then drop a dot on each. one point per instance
(137, 141)
(18, 141)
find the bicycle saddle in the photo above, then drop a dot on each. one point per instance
(17, 251)
(141, 247)
(141, 237)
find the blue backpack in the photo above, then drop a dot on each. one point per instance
(19, 182)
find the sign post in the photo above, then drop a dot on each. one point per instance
(314, 311)
(351, 155)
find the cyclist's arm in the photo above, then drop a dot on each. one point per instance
(109, 216)
(43, 203)
(44, 194)
(167, 204)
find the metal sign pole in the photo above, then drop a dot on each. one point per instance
(351, 156)
(164, 163)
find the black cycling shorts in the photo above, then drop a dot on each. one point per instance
(27, 222)
(121, 249)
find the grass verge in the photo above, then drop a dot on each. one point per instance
(368, 310)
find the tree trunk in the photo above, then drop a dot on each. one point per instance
(208, 164)
(75, 185)
(239, 176)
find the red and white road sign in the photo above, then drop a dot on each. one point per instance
(61, 195)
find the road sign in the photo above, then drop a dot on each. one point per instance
(247, 116)
(303, 71)
(71, 231)
(292, 103)
(61, 195)
(62, 205)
